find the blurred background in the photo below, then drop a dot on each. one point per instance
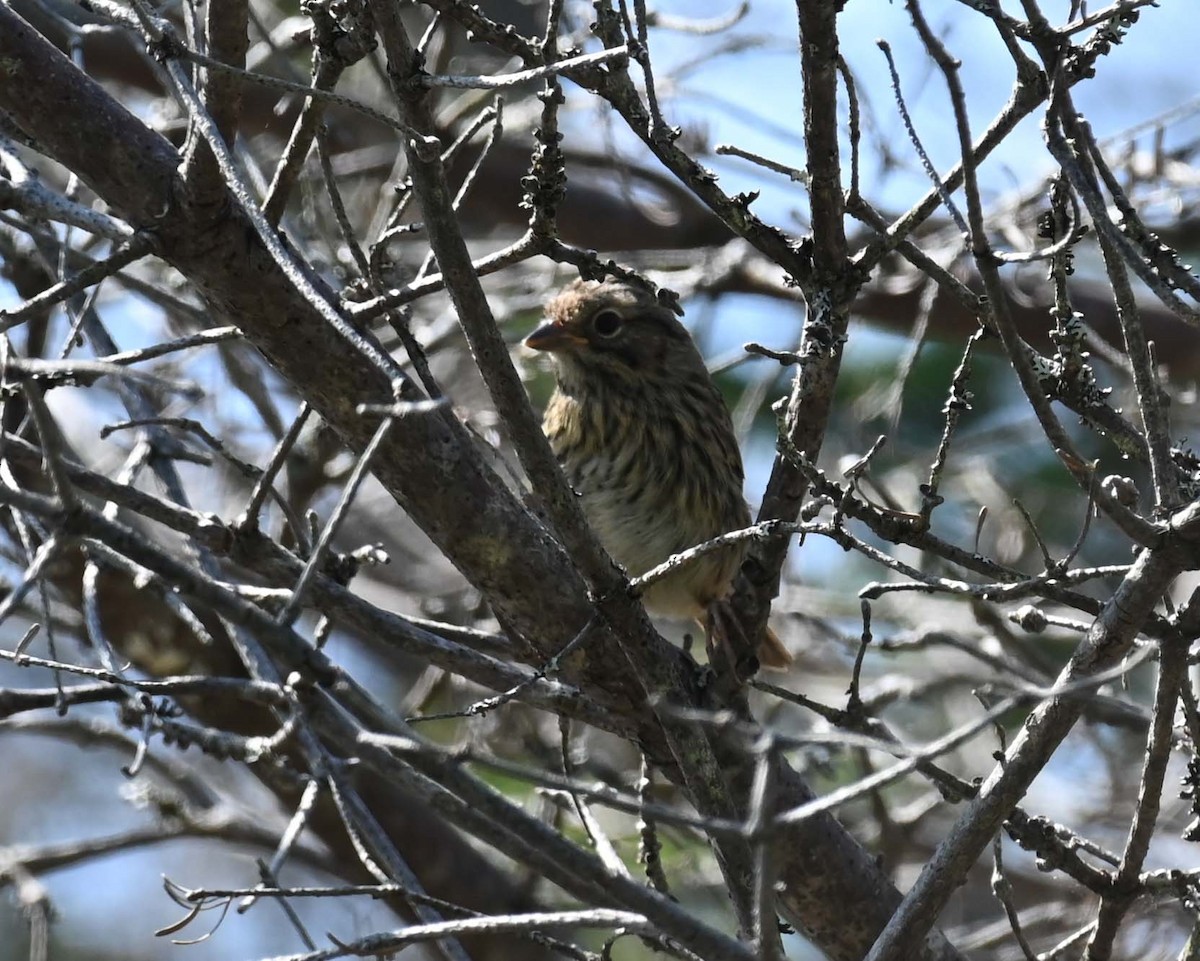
(726, 76)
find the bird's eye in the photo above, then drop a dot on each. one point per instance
(606, 323)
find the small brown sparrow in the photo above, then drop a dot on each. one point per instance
(645, 438)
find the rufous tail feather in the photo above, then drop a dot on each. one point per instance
(772, 654)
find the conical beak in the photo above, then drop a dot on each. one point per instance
(553, 336)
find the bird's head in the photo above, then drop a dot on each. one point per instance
(616, 329)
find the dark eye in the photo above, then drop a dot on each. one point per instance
(606, 323)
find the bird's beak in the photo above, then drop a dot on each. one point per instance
(553, 336)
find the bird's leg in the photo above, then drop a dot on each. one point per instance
(729, 650)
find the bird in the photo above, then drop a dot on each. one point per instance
(644, 438)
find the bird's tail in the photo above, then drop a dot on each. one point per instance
(772, 654)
